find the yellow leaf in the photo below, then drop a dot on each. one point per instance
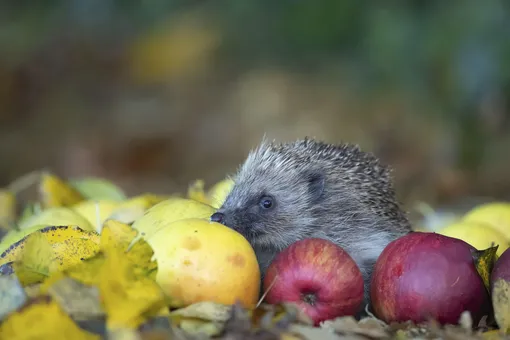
(42, 319)
(55, 192)
(7, 209)
(117, 234)
(123, 237)
(128, 299)
(86, 272)
(501, 304)
(196, 191)
(58, 216)
(484, 262)
(69, 245)
(130, 210)
(96, 212)
(93, 188)
(13, 236)
(35, 260)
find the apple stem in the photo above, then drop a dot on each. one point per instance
(309, 298)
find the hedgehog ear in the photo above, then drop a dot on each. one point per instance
(316, 182)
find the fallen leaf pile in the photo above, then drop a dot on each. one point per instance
(91, 276)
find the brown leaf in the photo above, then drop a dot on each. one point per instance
(369, 327)
(205, 310)
(81, 302)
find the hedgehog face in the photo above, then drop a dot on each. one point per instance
(271, 209)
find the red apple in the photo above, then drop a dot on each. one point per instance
(318, 276)
(423, 276)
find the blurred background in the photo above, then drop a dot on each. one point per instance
(155, 94)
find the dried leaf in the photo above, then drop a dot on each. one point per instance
(161, 322)
(70, 245)
(58, 216)
(119, 235)
(501, 304)
(484, 262)
(127, 299)
(204, 310)
(35, 260)
(14, 236)
(42, 319)
(55, 192)
(33, 291)
(130, 210)
(368, 327)
(196, 327)
(79, 301)
(87, 272)
(313, 333)
(96, 212)
(12, 295)
(239, 320)
(202, 317)
(93, 188)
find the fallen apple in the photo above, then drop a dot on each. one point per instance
(496, 214)
(199, 260)
(478, 234)
(318, 276)
(423, 276)
(170, 210)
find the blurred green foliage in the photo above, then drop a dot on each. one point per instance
(454, 50)
(452, 55)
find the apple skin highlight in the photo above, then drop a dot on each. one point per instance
(319, 277)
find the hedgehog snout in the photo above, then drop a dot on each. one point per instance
(225, 218)
(217, 217)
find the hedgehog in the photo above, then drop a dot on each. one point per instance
(285, 192)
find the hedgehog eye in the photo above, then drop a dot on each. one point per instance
(266, 202)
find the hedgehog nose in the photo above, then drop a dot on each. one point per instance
(217, 217)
